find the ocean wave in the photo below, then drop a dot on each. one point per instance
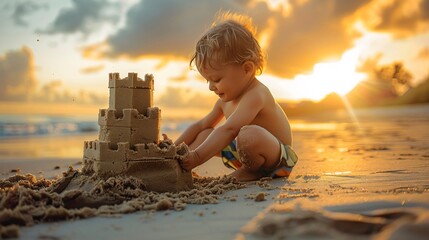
(22, 126)
(28, 126)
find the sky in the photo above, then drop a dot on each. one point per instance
(60, 52)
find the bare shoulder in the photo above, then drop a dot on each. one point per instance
(260, 92)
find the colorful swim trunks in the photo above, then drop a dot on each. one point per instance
(287, 161)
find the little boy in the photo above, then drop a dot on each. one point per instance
(256, 137)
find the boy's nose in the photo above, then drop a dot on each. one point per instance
(211, 86)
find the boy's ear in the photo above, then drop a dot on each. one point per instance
(248, 67)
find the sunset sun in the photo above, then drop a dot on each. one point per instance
(326, 77)
(340, 76)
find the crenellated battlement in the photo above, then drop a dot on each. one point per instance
(105, 151)
(128, 117)
(132, 81)
(130, 92)
(128, 141)
(151, 150)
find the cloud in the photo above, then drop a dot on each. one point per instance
(84, 16)
(166, 27)
(183, 76)
(423, 53)
(370, 66)
(311, 32)
(22, 9)
(55, 92)
(315, 31)
(396, 17)
(179, 97)
(17, 75)
(92, 69)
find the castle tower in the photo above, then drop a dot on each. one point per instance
(130, 117)
(129, 138)
(130, 92)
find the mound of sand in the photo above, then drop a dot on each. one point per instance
(27, 200)
(302, 219)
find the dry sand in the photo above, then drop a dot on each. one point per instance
(353, 181)
(301, 219)
(27, 200)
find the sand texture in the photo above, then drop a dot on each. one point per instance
(365, 179)
(26, 200)
(301, 219)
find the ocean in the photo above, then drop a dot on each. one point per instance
(29, 126)
(57, 137)
(41, 137)
(22, 126)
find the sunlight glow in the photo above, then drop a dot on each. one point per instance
(336, 76)
(266, 35)
(282, 6)
(309, 126)
(339, 77)
(351, 112)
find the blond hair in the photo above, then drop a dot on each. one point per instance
(230, 40)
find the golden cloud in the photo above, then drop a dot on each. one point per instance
(17, 70)
(295, 36)
(396, 17)
(423, 53)
(179, 97)
(92, 69)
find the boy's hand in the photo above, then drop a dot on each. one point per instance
(190, 161)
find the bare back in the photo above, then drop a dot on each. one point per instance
(271, 116)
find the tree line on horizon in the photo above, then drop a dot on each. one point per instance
(388, 85)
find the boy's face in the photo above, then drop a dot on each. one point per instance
(226, 81)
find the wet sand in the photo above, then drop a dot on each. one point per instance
(371, 177)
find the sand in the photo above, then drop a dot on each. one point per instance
(27, 200)
(354, 180)
(300, 219)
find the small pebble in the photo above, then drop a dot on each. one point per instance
(164, 204)
(260, 197)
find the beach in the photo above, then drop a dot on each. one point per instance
(361, 174)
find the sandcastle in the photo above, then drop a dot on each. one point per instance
(129, 140)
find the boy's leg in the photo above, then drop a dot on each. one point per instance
(258, 149)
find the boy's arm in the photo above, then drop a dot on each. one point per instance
(246, 111)
(209, 121)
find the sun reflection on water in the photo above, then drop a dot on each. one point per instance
(337, 173)
(305, 126)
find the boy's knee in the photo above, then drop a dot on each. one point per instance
(247, 145)
(247, 137)
(249, 131)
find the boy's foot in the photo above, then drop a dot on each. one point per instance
(245, 175)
